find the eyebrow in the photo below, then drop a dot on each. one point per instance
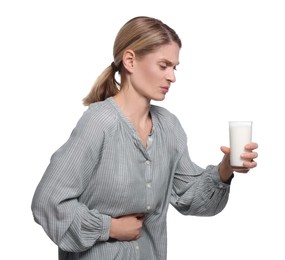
(168, 63)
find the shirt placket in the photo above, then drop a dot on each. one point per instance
(148, 176)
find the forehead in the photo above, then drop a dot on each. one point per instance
(168, 52)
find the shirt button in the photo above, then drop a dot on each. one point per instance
(148, 208)
(137, 248)
(147, 162)
(148, 185)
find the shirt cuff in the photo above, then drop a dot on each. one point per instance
(230, 179)
(217, 179)
(106, 225)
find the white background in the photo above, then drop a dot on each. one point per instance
(232, 67)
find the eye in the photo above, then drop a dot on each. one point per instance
(162, 66)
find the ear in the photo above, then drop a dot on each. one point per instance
(128, 60)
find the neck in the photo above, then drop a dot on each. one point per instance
(136, 108)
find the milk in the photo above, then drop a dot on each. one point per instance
(240, 133)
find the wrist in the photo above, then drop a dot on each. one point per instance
(114, 232)
(226, 173)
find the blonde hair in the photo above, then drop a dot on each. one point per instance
(142, 35)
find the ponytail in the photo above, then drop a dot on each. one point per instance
(105, 86)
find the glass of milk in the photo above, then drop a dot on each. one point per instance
(240, 133)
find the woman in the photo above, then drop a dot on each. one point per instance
(106, 191)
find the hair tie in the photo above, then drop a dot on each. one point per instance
(114, 67)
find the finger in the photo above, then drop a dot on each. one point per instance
(250, 165)
(249, 156)
(251, 146)
(247, 167)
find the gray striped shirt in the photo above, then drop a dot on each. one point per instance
(104, 171)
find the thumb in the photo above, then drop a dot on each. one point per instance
(225, 150)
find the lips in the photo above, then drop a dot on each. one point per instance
(164, 89)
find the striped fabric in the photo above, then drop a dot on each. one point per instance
(104, 171)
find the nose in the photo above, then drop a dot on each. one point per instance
(171, 76)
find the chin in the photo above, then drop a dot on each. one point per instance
(158, 97)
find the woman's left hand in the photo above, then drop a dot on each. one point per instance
(249, 163)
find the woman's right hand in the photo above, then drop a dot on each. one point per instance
(127, 228)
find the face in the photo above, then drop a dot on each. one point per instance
(153, 73)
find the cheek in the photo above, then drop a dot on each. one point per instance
(147, 75)
(150, 73)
